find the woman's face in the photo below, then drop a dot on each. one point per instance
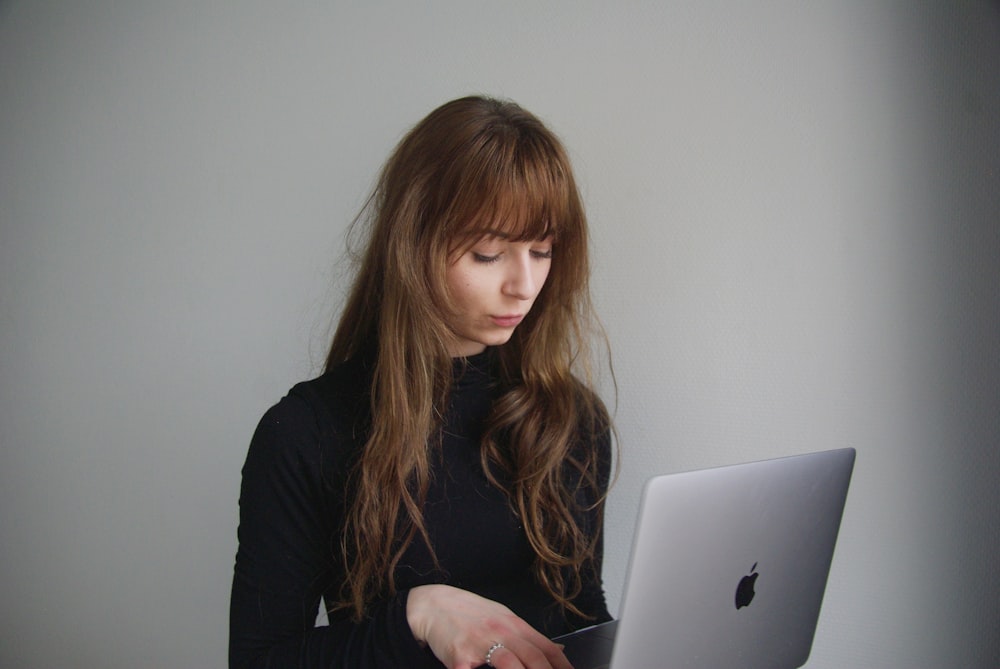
(493, 286)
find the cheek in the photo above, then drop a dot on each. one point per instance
(543, 275)
(461, 285)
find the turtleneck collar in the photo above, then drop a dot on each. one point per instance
(474, 369)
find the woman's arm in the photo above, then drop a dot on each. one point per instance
(289, 555)
(291, 509)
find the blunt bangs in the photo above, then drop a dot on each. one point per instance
(516, 184)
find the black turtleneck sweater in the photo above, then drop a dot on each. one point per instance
(292, 507)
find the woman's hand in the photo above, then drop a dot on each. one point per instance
(461, 627)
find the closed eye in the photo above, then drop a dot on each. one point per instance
(542, 255)
(480, 257)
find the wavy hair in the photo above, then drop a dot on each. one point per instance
(472, 165)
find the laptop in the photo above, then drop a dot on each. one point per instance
(728, 568)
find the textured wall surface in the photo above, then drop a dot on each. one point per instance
(794, 210)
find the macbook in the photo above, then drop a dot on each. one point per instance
(728, 568)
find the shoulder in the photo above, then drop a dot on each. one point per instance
(319, 425)
(340, 395)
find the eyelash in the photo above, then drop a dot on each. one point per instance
(479, 257)
(538, 255)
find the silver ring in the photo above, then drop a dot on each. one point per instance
(489, 654)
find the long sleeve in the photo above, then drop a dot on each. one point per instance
(287, 558)
(292, 506)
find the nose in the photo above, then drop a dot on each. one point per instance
(520, 281)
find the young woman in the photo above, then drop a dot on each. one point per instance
(441, 486)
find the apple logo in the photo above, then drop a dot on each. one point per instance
(744, 591)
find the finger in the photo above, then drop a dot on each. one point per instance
(555, 656)
(548, 656)
(532, 648)
(505, 658)
(550, 650)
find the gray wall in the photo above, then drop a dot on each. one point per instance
(794, 209)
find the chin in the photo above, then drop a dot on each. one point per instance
(500, 341)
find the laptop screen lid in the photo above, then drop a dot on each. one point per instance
(729, 564)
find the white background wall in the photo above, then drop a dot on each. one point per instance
(795, 218)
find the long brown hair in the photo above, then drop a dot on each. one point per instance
(471, 165)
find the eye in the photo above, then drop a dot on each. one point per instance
(485, 259)
(542, 254)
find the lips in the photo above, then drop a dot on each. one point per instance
(507, 321)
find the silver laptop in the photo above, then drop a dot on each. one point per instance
(728, 568)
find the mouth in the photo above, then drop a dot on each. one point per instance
(507, 321)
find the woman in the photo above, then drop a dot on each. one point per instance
(441, 485)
